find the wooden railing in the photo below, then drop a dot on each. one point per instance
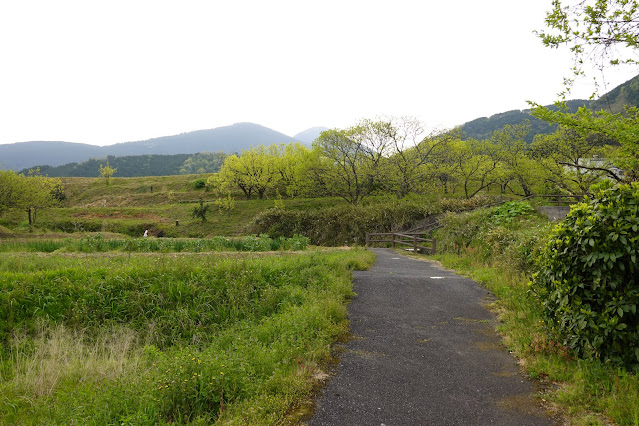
(412, 239)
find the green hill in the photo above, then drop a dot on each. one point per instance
(614, 101)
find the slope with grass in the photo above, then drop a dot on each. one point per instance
(128, 206)
(165, 204)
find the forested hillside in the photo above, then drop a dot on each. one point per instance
(140, 165)
(613, 101)
(484, 127)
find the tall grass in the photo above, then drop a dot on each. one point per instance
(501, 253)
(169, 339)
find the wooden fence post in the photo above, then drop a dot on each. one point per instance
(368, 239)
(393, 240)
(414, 243)
(434, 250)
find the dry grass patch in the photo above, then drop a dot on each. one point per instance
(60, 355)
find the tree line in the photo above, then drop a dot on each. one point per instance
(141, 165)
(397, 156)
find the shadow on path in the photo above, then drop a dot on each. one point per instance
(424, 352)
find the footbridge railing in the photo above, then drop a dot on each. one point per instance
(410, 239)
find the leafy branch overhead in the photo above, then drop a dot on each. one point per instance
(599, 32)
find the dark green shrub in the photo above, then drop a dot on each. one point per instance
(459, 230)
(507, 212)
(297, 242)
(522, 255)
(588, 282)
(199, 212)
(488, 227)
(45, 246)
(199, 183)
(77, 226)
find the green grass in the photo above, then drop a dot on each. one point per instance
(97, 243)
(168, 338)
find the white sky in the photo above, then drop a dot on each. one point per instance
(102, 72)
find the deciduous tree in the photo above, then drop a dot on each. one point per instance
(566, 157)
(520, 172)
(348, 163)
(603, 127)
(476, 164)
(9, 187)
(254, 171)
(29, 193)
(107, 172)
(411, 154)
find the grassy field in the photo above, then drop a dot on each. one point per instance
(159, 338)
(101, 326)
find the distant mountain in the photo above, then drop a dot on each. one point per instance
(624, 94)
(228, 139)
(614, 101)
(22, 155)
(309, 135)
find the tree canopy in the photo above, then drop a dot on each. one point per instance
(29, 193)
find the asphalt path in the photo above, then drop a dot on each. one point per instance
(423, 351)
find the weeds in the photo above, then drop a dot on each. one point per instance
(183, 339)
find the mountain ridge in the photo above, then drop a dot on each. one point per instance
(227, 139)
(614, 100)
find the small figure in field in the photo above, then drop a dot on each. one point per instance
(146, 232)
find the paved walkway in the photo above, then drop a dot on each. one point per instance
(424, 352)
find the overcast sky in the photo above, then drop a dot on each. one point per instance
(116, 71)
